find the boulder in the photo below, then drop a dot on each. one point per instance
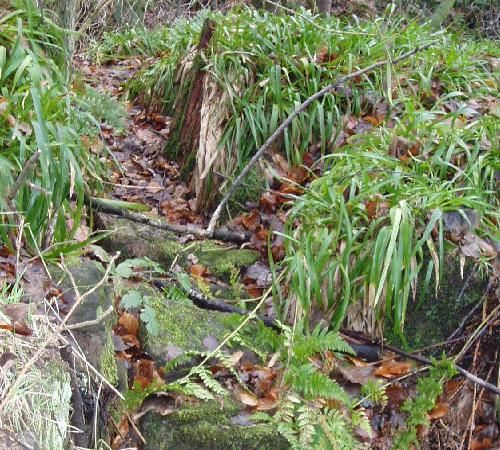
(181, 327)
(209, 426)
(136, 240)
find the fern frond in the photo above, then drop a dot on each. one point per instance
(210, 382)
(360, 420)
(290, 434)
(333, 432)
(312, 384)
(374, 390)
(320, 341)
(306, 421)
(196, 390)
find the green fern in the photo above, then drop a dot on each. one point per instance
(313, 384)
(428, 390)
(374, 390)
(333, 432)
(320, 341)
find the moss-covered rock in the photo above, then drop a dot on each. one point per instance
(94, 340)
(433, 319)
(136, 240)
(208, 426)
(180, 324)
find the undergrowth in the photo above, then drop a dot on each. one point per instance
(400, 147)
(37, 114)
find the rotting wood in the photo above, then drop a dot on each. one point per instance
(221, 234)
(187, 118)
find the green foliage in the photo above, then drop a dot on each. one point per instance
(374, 391)
(340, 255)
(256, 336)
(148, 316)
(36, 114)
(429, 388)
(320, 340)
(95, 109)
(300, 418)
(156, 82)
(127, 268)
(127, 43)
(134, 299)
(310, 383)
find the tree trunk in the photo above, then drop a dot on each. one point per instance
(67, 11)
(324, 6)
(186, 120)
(441, 13)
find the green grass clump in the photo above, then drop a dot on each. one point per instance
(123, 44)
(36, 113)
(268, 67)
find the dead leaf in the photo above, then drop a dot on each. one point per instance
(16, 311)
(392, 369)
(267, 202)
(7, 360)
(403, 148)
(130, 323)
(163, 405)
(198, 270)
(356, 375)
(481, 444)
(251, 221)
(440, 410)
(247, 398)
(266, 404)
(235, 357)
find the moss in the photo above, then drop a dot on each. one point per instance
(163, 247)
(208, 426)
(181, 324)
(435, 318)
(108, 367)
(222, 261)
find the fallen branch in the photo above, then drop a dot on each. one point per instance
(214, 304)
(220, 234)
(262, 150)
(428, 362)
(368, 352)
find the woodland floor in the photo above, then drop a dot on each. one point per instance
(463, 417)
(465, 413)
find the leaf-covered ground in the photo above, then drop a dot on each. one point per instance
(148, 177)
(388, 397)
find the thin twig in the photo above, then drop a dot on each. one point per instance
(428, 362)
(230, 336)
(89, 323)
(262, 150)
